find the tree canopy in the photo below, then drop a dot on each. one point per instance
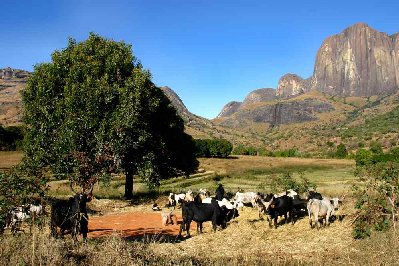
(93, 110)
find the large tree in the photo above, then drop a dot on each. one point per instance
(93, 110)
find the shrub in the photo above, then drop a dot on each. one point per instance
(286, 181)
(341, 151)
(376, 197)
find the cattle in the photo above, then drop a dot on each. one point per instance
(262, 203)
(321, 209)
(299, 204)
(314, 195)
(202, 212)
(17, 216)
(290, 192)
(280, 206)
(231, 212)
(173, 199)
(242, 198)
(70, 216)
(204, 193)
(189, 196)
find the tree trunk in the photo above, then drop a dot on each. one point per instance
(128, 184)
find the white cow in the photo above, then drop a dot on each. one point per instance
(321, 209)
(242, 198)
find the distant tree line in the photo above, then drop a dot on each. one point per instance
(219, 148)
(244, 150)
(11, 137)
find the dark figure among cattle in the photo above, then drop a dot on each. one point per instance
(220, 192)
(70, 216)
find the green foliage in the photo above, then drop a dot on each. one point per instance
(11, 138)
(376, 197)
(376, 147)
(219, 148)
(286, 181)
(330, 144)
(341, 151)
(286, 153)
(93, 110)
(363, 157)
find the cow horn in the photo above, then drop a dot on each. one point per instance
(71, 187)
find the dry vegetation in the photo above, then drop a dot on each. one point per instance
(247, 240)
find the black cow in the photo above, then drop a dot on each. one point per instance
(70, 216)
(202, 212)
(299, 205)
(314, 195)
(278, 207)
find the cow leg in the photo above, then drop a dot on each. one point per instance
(292, 217)
(188, 228)
(275, 222)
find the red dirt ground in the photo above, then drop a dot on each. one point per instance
(132, 224)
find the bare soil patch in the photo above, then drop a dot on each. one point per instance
(131, 225)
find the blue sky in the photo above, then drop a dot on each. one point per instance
(208, 52)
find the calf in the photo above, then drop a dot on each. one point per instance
(70, 216)
(278, 207)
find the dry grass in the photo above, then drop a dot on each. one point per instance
(247, 241)
(9, 159)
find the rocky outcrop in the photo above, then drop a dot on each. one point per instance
(292, 85)
(285, 112)
(12, 81)
(360, 61)
(229, 109)
(260, 95)
(176, 102)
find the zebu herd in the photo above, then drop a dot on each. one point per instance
(219, 210)
(70, 216)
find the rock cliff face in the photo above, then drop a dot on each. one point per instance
(260, 95)
(277, 113)
(292, 85)
(12, 81)
(229, 109)
(360, 61)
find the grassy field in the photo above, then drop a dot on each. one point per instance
(249, 173)
(247, 240)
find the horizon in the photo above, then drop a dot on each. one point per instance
(209, 53)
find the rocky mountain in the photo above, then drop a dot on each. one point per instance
(358, 62)
(256, 96)
(12, 81)
(178, 104)
(292, 85)
(229, 109)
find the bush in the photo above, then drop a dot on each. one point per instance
(286, 181)
(376, 197)
(341, 151)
